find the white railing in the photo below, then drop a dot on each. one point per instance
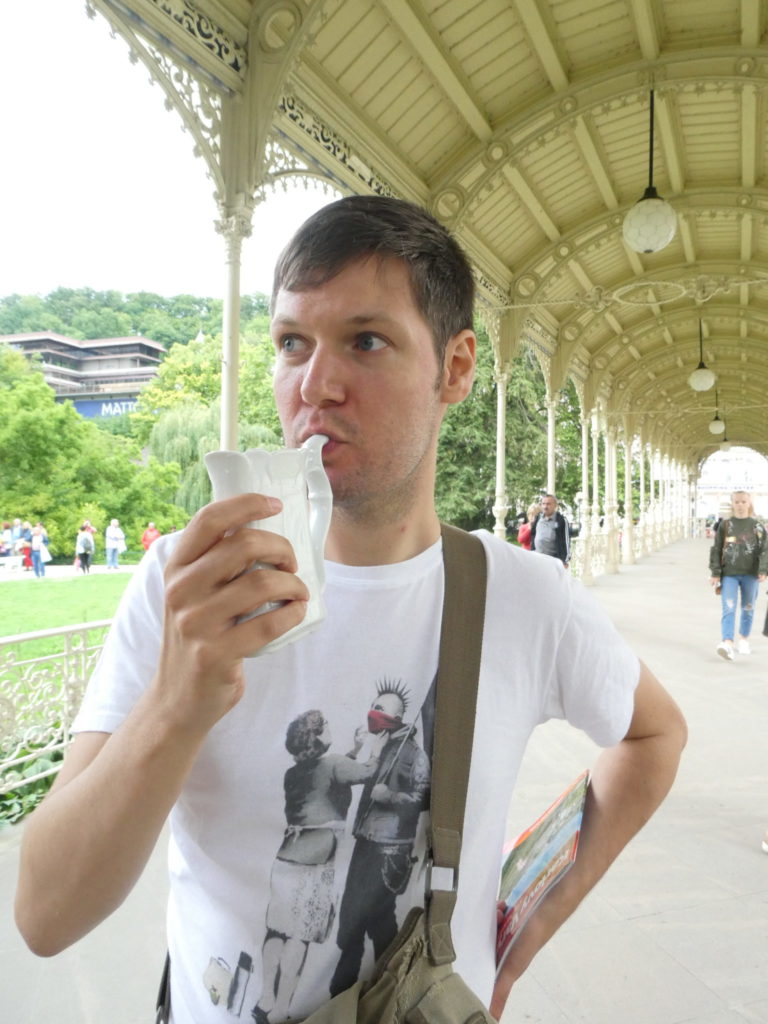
(40, 696)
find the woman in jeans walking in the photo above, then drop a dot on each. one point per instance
(738, 561)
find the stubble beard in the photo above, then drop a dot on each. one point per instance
(367, 503)
(383, 496)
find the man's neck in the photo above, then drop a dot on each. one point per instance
(355, 541)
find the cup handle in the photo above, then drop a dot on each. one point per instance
(320, 501)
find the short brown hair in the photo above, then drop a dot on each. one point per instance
(362, 226)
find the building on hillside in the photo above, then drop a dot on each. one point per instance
(101, 377)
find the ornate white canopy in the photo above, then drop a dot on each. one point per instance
(524, 126)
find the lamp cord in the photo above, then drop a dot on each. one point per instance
(650, 153)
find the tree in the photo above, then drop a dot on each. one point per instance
(466, 468)
(192, 373)
(184, 434)
(28, 314)
(86, 313)
(60, 468)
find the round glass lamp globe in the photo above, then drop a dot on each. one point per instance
(650, 225)
(716, 426)
(702, 379)
(725, 446)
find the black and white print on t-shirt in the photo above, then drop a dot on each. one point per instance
(321, 903)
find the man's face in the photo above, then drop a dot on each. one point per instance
(356, 361)
(386, 714)
(740, 504)
(548, 506)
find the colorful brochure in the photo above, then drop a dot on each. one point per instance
(537, 860)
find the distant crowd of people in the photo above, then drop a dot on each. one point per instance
(25, 547)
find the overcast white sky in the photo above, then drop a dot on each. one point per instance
(98, 183)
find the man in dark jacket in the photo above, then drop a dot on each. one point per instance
(550, 532)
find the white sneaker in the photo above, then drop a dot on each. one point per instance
(765, 843)
(742, 646)
(725, 650)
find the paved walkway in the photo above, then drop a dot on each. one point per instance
(57, 572)
(677, 933)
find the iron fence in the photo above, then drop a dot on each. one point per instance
(40, 694)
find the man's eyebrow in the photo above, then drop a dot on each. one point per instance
(358, 319)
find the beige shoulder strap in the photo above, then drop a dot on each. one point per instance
(461, 640)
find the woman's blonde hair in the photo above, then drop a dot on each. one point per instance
(751, 501)
(534, 509)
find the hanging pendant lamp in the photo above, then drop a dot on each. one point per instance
(717, 426)
(651, 223)
(702, 378)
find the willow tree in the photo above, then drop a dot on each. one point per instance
(185, 434)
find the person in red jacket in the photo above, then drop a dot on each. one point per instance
(149, 536)
(524, 533)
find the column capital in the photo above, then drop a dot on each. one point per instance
(236, 219)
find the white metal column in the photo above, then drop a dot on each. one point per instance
(501, 504)
(234, 228)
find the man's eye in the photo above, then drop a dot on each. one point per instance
(290, 344)
(370, 342)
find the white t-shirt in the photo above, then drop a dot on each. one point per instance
(261, 839)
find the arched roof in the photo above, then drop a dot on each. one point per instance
(524, 126)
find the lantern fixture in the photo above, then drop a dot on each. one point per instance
(702, 378)
(651, 223)
(717, 426)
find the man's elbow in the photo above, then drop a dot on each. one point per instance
(680, 730)
(36, 922)
(37, 938)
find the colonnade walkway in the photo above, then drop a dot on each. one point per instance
(677, 933)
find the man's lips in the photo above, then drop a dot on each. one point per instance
(331, 444)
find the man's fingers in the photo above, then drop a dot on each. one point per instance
(208, 629)
(213, 522)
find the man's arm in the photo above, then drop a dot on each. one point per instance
(716, 553)
(88, 842)
(567, 541)
(628, 783)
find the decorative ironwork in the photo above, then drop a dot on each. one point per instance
(283, 166)
(41, 695)
(205, 32)
(198, 103)
(493, 294)
(337, 148)
(648, 293)
(195, 95)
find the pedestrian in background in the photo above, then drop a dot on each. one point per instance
(84, 548)
(39, 550)
(550, 531)
(524, 533)
(149, 536)
(114, 540)
(738, 562)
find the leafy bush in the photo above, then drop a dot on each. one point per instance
(15, 804)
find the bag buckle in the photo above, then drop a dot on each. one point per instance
(442, 879)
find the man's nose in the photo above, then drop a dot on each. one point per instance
(323, 382)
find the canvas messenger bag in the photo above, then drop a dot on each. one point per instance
(413, 982)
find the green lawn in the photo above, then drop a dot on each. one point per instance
(28, 604)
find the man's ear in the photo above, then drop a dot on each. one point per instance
(458, 367)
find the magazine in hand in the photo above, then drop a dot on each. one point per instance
(537, 860)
